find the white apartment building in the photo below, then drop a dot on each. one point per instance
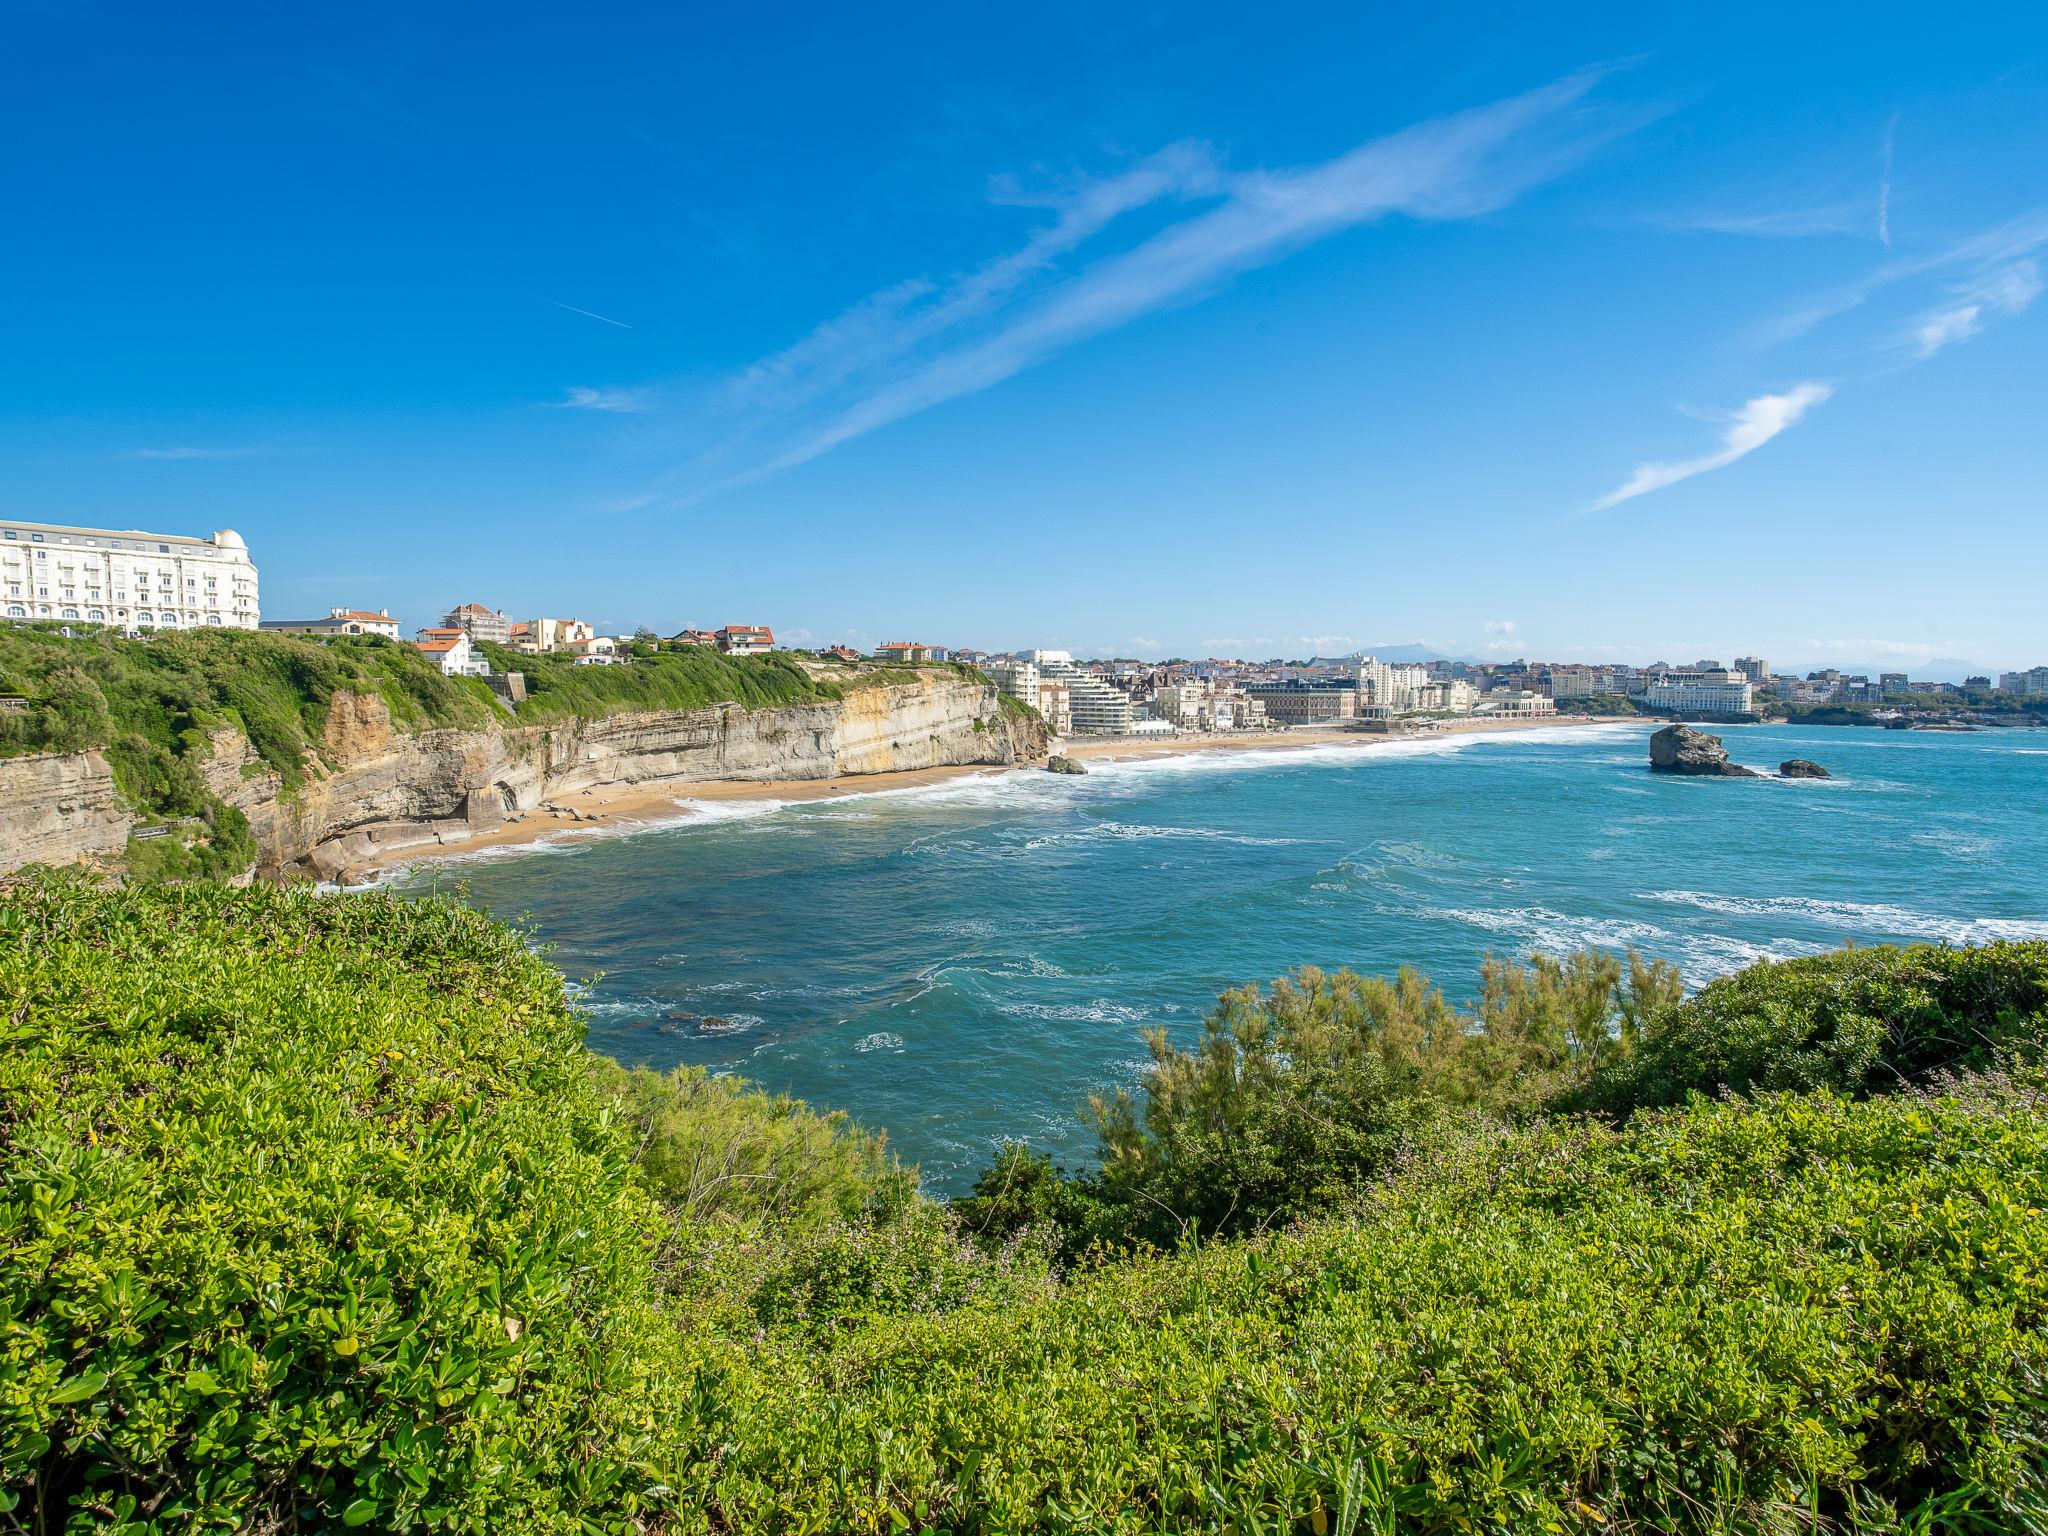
(1390, 689)
(1710, 693)
(1519, 703)
(1098, 708)
(1019, 679)
(2033, 681)
(1575, 682)
(126, 578)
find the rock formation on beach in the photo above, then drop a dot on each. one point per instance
(1681, 749)
(1058, 764)
(1802, 768)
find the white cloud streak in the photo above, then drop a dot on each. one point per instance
(921, 343)
(2005, 291)
(581, 398)
(183, 453)
(588, 314)
(1760, 420)
(1884, 182)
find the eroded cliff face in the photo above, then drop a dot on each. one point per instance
(377, 790)
(59, 810)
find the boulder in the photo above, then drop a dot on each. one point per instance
(1058, 764)
(1681, 749)
(1802, 768)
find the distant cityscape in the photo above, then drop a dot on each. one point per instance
(141, 582)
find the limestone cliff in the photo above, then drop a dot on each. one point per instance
(375, 789)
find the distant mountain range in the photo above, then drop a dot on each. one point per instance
(1394, 653)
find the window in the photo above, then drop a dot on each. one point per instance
(15, 610)
(96, 616)
(70, 613)
(12, 534)
(35, 538)
(213, 618)
(143, 618)
(163, 549)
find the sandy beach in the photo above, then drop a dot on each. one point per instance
(615, 809)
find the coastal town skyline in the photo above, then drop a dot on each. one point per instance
(137, 582)
(1611, 340)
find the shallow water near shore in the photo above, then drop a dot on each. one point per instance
(965, 962)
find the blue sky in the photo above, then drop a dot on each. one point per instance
(1659, 332)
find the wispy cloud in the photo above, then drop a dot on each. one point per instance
(2005, 291)
(921, 342)
(581, 398)
(1975, 256)
(1884, 181)
(1748, 429)
(178, 453)
(588, 314)
(1500, 626)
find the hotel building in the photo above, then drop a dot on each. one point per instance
(126, 578)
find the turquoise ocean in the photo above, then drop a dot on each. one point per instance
(966, 962)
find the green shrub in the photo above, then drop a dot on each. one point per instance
(311, 1218)
(710, 1147)
(1301, 1092)
(1792, 1315)
(313, 1213)
(1857, 1022)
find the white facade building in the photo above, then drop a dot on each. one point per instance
(126, 578)
(1519, 703)
(450, 650)
(1389, 689)
(339, 621)
(1097, 707)
(1707, 693)
(2033, 681)
(1019, 679)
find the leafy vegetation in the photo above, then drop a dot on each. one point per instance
(154, 703)
(680, 677)
(317, 1215)
(1860, 1022)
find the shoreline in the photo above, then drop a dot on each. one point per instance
(621, 809)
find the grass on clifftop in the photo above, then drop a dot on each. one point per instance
(667, 676)
(314, 1214)
(149, 702)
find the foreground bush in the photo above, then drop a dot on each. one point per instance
(1795, 1315)
(315, 1215)
(1856, 1022)
(309, 1218)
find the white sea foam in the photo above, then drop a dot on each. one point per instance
(880, 1040)
(705, 813)
(1700, 956)
(1119, 831)
(1101, 1011)
(1862, 917)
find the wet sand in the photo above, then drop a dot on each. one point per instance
(618, 808)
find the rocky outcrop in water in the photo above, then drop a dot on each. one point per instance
(1058, 764)
(1681, 749)
(1802, 768)
(376, 790)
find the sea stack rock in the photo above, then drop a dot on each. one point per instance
(1681, 749)
(1058, 764)
(1802, 768)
